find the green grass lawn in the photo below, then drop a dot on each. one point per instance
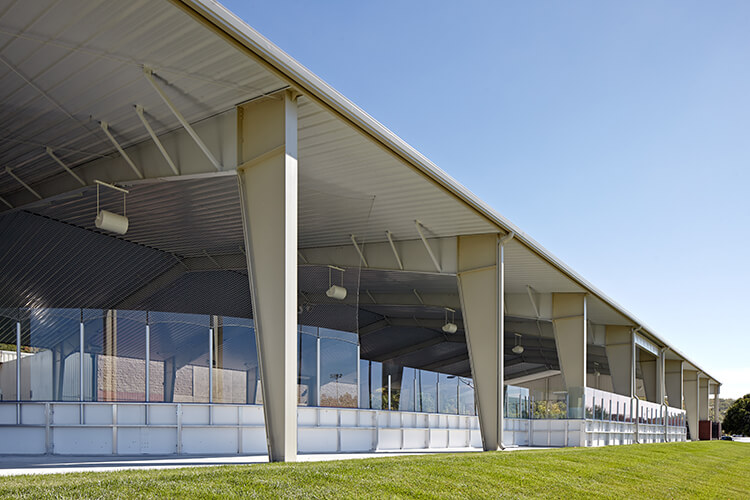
(676, 470)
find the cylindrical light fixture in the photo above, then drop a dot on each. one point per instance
(336, 292)
(450, 326)
(518, 348)
(109, 221)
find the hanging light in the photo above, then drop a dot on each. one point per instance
(335, 291)
(450, 326)
(518, 348)
(110, 221)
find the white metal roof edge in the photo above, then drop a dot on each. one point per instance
(219, 17)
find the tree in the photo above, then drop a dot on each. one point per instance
(724, 404)
(737, 419)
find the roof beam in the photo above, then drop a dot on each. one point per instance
(21, 182)
(52, 155)
(149, 74)
(105, 127)
(155, 138)
(113, 170)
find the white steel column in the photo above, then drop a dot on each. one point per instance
(717, 404)
(660, 376)
(267, 179)
(480, 282)
(705, 396)
(649, 371)
(569, 322)
(690, 385)
(673, 382)
(619, 355)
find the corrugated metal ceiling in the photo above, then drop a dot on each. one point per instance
(67, 65)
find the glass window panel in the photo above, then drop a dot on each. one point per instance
(377, 392)
(364, 384)
(408, 400)
(236, 361)
(427, 390)
(307, 365)
(447, 394)
(116, 340)
(179, 357)
(466, 396)
(338, 371)
(8, 320)
(50, 369)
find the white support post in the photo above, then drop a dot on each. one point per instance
(148, 361)
(705, 396)
(81, 397)
(268, 192)
(211, 365)
(150, 77)
(317, 367)
(105, 128)
(660, 376)
(155, 138)
(569, 324)
(717, 404)
(692, 388)
(673, 382)
(619, 348)
(18, 372)
(481, 288)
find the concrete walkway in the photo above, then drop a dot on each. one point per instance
(11, 465)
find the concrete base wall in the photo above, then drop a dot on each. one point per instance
(203, 429)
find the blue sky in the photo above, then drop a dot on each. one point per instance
(617, 134)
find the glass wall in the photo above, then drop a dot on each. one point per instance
(198, 358)
(307, 365)
(339, 361)
(372, 394)
(517, 402)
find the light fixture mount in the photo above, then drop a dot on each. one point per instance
(110, 221)
(335, 291)
(450, 326)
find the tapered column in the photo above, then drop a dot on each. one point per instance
(268, 191)
(620, 358)
(704, 396)
(673, 382)
(717, 403)
(480, 285)
(660, 378)
(648, 371)
(569, 322)
(690, 386)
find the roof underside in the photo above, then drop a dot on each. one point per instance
(66, 66)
